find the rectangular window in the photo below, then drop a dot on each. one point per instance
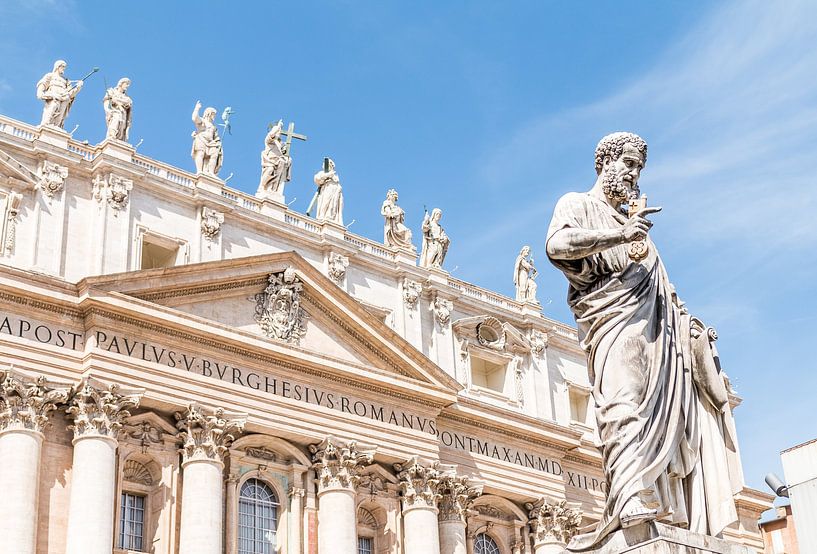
(578, 405)
(131, 521)
(364, 545)
(158, 255)
(487, 374)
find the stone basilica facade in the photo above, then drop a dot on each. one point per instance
(188, 368)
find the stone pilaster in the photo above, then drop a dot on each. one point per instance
(296, 506)
(206, 435)
(337, 466)
(98, 410)
(420, 485)
(25, 404)
(456, 495)
(553, 524)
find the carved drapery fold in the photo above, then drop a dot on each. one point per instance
(456, 495)
(420, 483)
(337, 465)
(207, 434)
(26, 401)
(551, 520)
(99, 409)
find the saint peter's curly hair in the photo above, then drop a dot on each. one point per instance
(612, 146)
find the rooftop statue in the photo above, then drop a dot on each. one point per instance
(207, 151)
(524, 274)
(435, 241)
(661, 402)
(329, 196)
(395, 232)
(276, 165)
(58, 93)
(118, 110)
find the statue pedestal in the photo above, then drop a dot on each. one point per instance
(118, 149)
(658, 538)
(210, 183)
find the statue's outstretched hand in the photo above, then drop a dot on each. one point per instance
(637, 227)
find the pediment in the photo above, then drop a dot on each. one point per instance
(282, 299)
(488, 332)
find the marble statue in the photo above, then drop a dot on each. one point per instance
(524, 274)
(395, 232)
(329, 196)
(276, 165)
(58, 93)
(207, 151)
(435, 241)
(118, 110)
(661, 402)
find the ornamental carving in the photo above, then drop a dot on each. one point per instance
(337, 267)
(491, 334)
(538, 342)
(278, 309)
(146, 433)
(207, 436)
(337, 465)
(553, 521)
(492, 511)
(51, 178)
(261, 453)
(115, 190)
(25, 401)
(14, 201)
(411, 292)
(420, 483)
(371, 484)
(442, 309)
(456, 496)
(211, 221)
(98, 409)
(137, 473)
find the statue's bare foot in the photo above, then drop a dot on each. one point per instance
(635, 512)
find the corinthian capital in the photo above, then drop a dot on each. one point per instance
(207, 434)
(553, 521)
(99, 409)
(457, 494)
(338, 464)
(420, 483)
(26, 400)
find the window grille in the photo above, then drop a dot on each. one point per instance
(364, 545)
(132, 521)
(257, 518)
(485, 545)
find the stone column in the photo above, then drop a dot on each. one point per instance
(97, 410)
(457, 494)
(553, 524)
(296, 508)
(420, 485)
(25, 403)
(206, 435)
(336, 468)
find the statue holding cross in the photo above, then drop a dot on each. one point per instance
(276, 162)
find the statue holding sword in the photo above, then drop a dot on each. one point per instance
(58, 93)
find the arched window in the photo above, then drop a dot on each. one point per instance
(485, 545)
(257, 518)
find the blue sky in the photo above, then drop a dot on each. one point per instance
(491, 111)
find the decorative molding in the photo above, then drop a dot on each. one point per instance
(207, 436)
(51, 178)
(456, 496)
(337, 465)
(420, 483)
(14, 201)
(296, 492)
(26, 401)
(442, 309)
(553, 521)
(365, 518)
(115, 190)
(538, 342)
(261, 453)
(278, 309)
(371, 484)
(211, 221)
(489, 510)
(137, 473)
(99, 409)
(146, 433)
(337, 265)
(411, 292)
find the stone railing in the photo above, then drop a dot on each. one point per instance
(302, 222)
(485, 295)
(17, 129)
(242, 199)
(165, 171)
(369, 246)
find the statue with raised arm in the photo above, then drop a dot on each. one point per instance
(276, 165)
(58, 93)
(435, 241)
(524, 274)
(395, 232)
(207, 152)
(329, 196)
(118, 110)
(661, 402)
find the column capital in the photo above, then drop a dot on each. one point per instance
(337, 464)
(456, 495)
(99, 409)
(26, 400)
(207, 434)
(553, 521)
(420, 482)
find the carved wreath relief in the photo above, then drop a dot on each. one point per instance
(278, 309)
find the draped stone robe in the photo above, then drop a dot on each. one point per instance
(661, 437)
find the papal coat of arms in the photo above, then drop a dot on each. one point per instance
(278, 309)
